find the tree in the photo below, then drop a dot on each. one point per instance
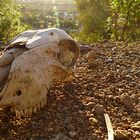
(124, 20)
(10, 24)
(109, 19)
(92, 17)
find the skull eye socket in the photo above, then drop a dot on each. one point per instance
(51, 33)
(18, 93)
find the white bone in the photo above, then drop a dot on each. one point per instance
(42, 104)
(30, 111)
(21, 113)
(45, 101)
(35, 109)
(38, 107)
(17, 114)
(24, 37)
(51, 54)
(26, 112)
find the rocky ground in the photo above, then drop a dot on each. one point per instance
(107, 80)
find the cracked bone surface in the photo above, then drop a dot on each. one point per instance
(29, 66)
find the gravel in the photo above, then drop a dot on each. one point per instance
(110, 83)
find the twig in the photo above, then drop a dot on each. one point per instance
(109, 127)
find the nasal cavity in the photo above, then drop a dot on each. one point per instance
(18, 93)
(51, 33)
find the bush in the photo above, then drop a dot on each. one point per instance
(109, 19)
(10, 24)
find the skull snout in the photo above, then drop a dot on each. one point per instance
(3, 103)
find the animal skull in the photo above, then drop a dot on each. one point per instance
(30, 65)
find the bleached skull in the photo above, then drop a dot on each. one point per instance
(30, 64)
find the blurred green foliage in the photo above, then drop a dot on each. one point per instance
(108, 19)
(15, 19)
(124, 21)
(95, 20)
(10, 24)
(37, 19)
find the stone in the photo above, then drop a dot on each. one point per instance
(120, 135)
(70, 127)
(90, 57)
(57, 128)
(126, 100)
(93, 121)
(90, 104)
(81, 138)
(99, 109)
(94, 136)
(61, 137)
(72, 134)
(39, 138)
(138, 111)
(136, 126)
(109, 60)
(68, 120)
(81, 112)
(84, 48)
(50, 129)
(97, 63)
(2, 138)
(137, 134)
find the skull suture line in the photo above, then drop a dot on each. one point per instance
(30, 64)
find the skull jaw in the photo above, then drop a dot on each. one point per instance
(35, 92)
(25, 96)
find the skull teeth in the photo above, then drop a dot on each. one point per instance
(42, 104)
(45, 101)
(28, 112)
(38, 107)
(17, 114)
(21, 113)
(35, 109)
